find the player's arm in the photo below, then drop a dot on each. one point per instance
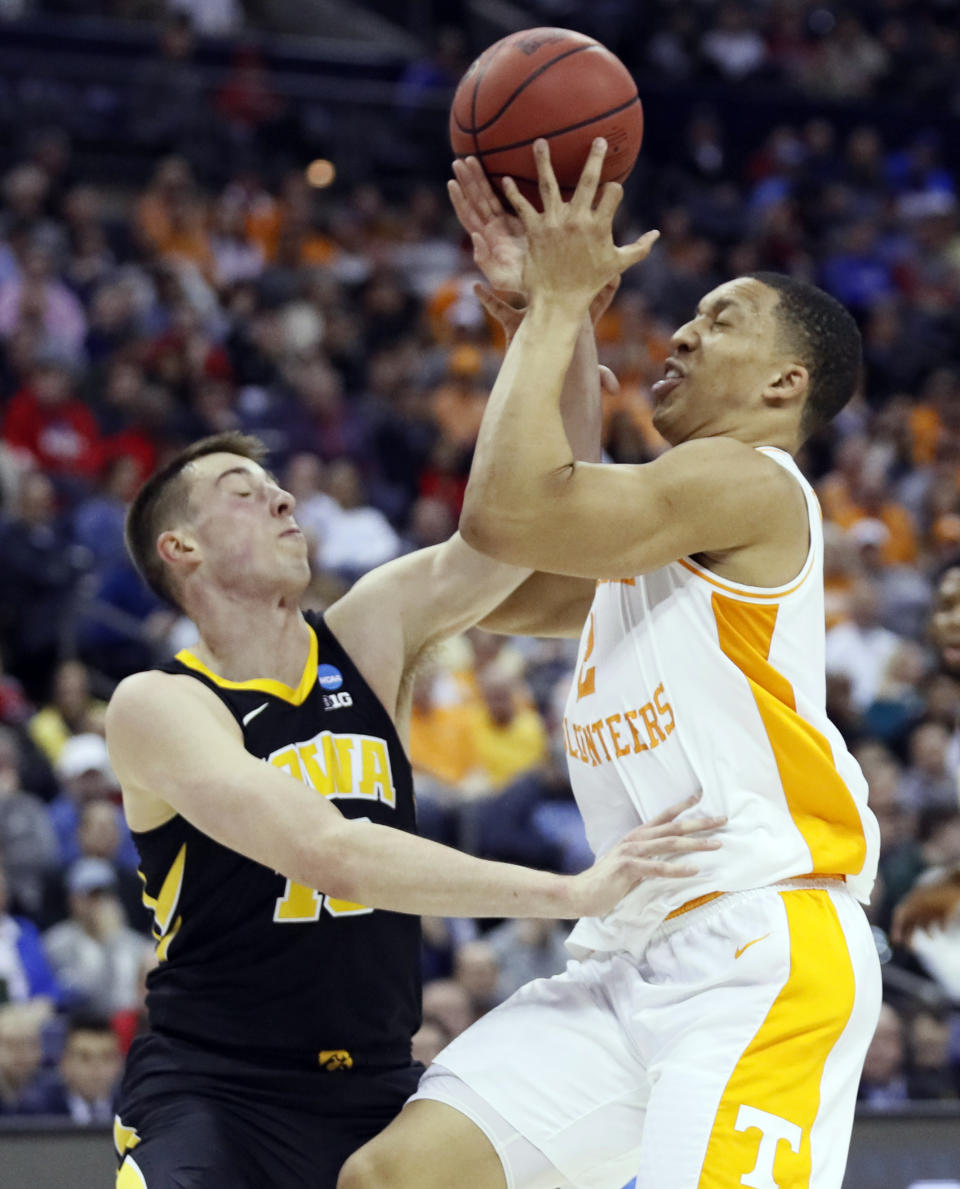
(418, 600)
(173, 743)
(529, 500)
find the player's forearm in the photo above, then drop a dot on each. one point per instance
(522, 449)
(389, 869)
(581, 405)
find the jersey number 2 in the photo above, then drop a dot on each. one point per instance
(587, 677)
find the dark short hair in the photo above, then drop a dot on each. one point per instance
(164, 499)
(87, 1020)
(826, 340)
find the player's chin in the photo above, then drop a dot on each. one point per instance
(666, 422)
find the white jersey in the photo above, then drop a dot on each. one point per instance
(686, 682)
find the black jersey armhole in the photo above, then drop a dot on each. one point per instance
(326, 637)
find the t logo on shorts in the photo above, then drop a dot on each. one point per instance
(772, 1130)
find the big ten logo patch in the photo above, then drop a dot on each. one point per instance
(341, 766)
(618, 735)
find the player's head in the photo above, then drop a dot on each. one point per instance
(214, 517)
(763, 352)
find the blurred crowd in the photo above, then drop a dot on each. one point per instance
(339, 323)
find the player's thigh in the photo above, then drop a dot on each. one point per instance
(429, 1146)
(305, 1143)
(552, 1081)
(183, 1140)
(759, 1089)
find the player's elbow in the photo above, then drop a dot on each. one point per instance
(333, 865)
(499, 534)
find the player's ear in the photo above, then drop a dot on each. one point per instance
(788, 386)
(175, 546)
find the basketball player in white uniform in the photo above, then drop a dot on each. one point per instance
(711, 1030)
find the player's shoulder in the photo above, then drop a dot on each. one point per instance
(726, 463)
(152, 692)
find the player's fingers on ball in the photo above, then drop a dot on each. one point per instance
(485, 192)
(549, 190)
(525, 210)
(586, 190)
(461, 207)
(610, 198)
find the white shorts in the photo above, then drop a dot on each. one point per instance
(728, 1055)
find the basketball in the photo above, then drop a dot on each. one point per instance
(554, 83)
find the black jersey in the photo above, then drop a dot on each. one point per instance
(250, 959)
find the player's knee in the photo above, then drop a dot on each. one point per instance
(373, 1166)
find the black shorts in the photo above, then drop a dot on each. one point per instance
(190, 1118)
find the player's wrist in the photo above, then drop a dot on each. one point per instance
(560, 307)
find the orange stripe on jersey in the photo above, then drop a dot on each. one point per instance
(774, 1090)
(747, 591)
(820, 804)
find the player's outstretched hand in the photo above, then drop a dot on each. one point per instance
(570, 253)
(498, 239)
(929, 905)
(650, 850)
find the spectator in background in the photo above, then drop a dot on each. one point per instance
(28, 844)
(428, 1040)
(527, 953)
(884, 1080)
(25, 973)
(476, 968)
(83, 1086)
(860, 648)
(535, 820)
(170, 113)
(21, 1051)
(36, 299)
(931, 1074)
(930, 781)
(85, 773)
(50, 426)
(41, 569)
(733, 47)
(72, 710)
(99, 837)
(95, 956)
(358, 536)
(449, 1003)
(507, 737)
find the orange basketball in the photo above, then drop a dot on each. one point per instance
(553, 83)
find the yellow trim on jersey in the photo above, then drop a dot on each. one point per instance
(821, 805)
(779, 1073)
(124, 1138)
(130, 1176)
(752, 592)
(164, 906)
(265, 685)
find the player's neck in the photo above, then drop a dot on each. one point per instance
(752, 435)
(243, 643)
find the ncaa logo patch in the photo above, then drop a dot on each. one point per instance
(329, 677)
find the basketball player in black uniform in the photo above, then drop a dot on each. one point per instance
(266, 763)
